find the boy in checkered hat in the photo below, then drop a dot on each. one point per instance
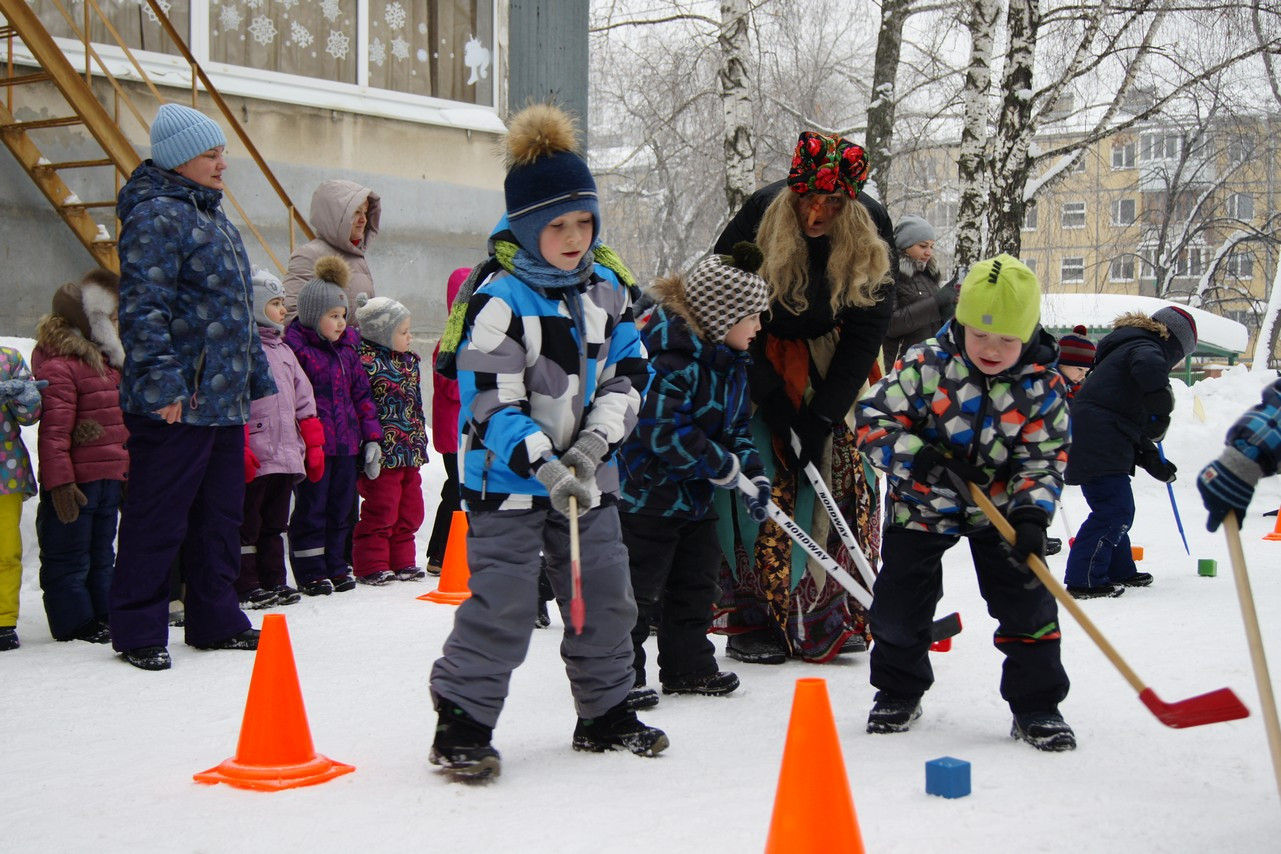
(692, 436)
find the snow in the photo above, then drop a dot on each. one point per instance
(1098, 311)
(99, 756)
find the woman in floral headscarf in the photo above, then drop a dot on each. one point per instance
(826, 247)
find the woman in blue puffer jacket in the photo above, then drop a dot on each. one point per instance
(193, 363)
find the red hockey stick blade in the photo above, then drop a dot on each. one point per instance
(1212, 708)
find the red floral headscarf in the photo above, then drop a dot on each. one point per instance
(826, 164)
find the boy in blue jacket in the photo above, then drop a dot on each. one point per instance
(551, 373)
(692, 437)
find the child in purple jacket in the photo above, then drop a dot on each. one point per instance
(283, 441)
(327, 350)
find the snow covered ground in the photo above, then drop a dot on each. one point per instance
(98, 756)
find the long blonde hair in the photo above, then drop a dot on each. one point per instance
(857, 267)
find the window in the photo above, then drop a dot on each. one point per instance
(1072, 270)
(1073, 215)
(1238, 150)
(1187, 263)
(1078, 165)
(1240, 264)
(1122, 269)
(1241, 206)
(1030, 263)
(1029, 218)
(1161, 146)
(943, 215)
(1123, 155)
(1123, 212)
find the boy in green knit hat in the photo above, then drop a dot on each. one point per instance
(981, 403)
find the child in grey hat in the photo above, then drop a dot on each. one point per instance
(326, 348)
(391, 509)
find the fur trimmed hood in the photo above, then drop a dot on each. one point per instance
(87, 309)
(669, 292)
(1139, 320)
(907, 266)
(57, 337)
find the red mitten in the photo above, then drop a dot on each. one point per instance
(252, 463)
(313, 437)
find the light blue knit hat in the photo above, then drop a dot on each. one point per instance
(180, 133)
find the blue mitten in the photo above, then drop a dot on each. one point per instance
(22, 392)
(1227, 485)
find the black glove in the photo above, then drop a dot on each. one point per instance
(1029, 535)
(813, 430)
(1150, 461)
(931, 467)
(945, 298)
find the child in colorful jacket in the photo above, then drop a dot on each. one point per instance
(983, 404)
(83, 461)
(551, 373)
(693, 435)
(284, 441)
(391, 508)
(326, 348)
(19, 406)
(1253, 451)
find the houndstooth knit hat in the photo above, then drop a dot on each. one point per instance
(378, 319)
(326, 291)
(723, 289)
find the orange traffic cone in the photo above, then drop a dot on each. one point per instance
(813, 810)
(452, 588)
(275, 750)
(1276, 530)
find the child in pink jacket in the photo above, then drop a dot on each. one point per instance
(284, 441)
(444, 438)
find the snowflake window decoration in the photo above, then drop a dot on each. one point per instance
(165, 6)
(255, 4)
(400, 48)
(263, 30)
(329, 8)
(337, 44)
(229, 19)
(300, 35)
(394, 16)
(377, 52)
(287, 4)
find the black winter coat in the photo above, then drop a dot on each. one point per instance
(862, 329)
(1125, 403)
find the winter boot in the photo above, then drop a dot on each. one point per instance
(319, 587)
(257, 599)
(411, 573)
(1101, 591)
(1053, 545)
(1139, 579)
(461, 747)
(641, 697)
(853, 644)
(758, 647)
(893, 714)
(433, 568)
(343, 583)
(148, 658)
(542, 619)
(619, 728)
(1044, 731)
(286, 595)
(8, 638)
(375, 579)
(711, 685)
(94, 631)
(248, 639)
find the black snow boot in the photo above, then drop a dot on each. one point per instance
(8, 638)
(1099, 591)
(248, 639)
(759, 647)
(1053, 545)
(712, 684)
(619, 728)
(1044, 731)
(148, 657)
(1139, 579)
(641, 697)
(893, 714)
(461, 747)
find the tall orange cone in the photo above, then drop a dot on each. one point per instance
(1276, 530)
(454, 574)
(275, 750)
(813, 810)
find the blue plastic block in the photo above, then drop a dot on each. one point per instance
(947, 777)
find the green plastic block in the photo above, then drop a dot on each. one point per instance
(1207, 567)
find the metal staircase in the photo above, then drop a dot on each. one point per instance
(94, 222)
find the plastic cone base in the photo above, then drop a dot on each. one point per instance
(813, 810)
(454, 574)
(275, 749)
(1276, 531)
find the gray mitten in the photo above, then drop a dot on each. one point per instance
(561, 484)
(25, 393)
(585, 454)
(373, 460)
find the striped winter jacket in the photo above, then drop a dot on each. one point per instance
(695, 415)
(1256, 433)
(394, 378)
(1013, 425)
(529, 383)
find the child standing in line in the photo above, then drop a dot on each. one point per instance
(551, 373)
(19, 406)
(83, 461)
(1117, 419)
(444, 438)
(1076, 357)
(326, 348)
(391, 508)
(983, 404)
(284, 441)
(693, 435)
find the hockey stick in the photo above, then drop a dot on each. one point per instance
(1266, 700)
(940, 629)
(838, 521)
(1216, 706)
(1174, 505)
(577, 608)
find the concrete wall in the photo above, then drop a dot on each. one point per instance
(441, 194)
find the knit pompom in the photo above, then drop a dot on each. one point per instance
(333, 269)
(538, 131)
(1080, 330)
(746, 256)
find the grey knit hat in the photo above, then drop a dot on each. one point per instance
(378, 319)
(180, 133)
(911, 230)
(1181, 325)
(723, 289)
(326, 291)
(266, 288)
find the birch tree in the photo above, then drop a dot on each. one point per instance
(738, 142)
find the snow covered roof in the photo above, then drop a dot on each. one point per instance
(1098, 311)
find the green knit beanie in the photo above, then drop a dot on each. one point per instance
(1000, 296)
